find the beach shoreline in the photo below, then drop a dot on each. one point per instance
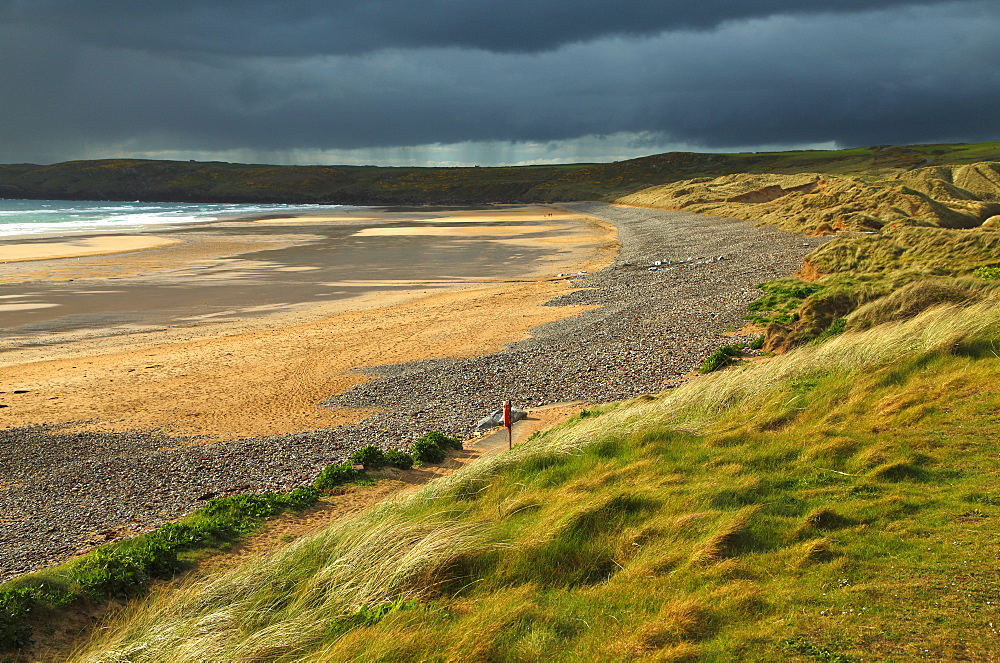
(621, 331)
(182, 378)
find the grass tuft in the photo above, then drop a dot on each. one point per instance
(724, 356)
(817, 551)
(732, 538)
(898, 471)
(825, 518)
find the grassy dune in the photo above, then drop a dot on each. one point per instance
(833, 503)
(960, 196)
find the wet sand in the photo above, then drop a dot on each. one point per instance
(241, 328)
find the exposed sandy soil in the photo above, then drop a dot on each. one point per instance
(270, 381)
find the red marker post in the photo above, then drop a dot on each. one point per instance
(508, 424)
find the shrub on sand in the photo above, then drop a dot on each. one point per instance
(444, 441)
(336, 475)
(370, 456)
(426, 451)
(433, 447)
(398, 459)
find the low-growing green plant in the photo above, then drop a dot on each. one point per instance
(398, 459)
(781, 300)
(301, 498)
(15, 605)
(443, 441)
(259, 505)
(426, 451)
(433, 447)
(337, 474)
(125, 568)
(839, 326)
(801, 646)
(369, 616)
(991, 273)
(724, 356)
(370, 456)
(757, 343)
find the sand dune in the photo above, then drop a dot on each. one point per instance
(946, 196)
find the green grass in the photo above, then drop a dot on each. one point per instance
(865, 281)
(834, 503)
(724, 356)
(781, 301)
(989, 273)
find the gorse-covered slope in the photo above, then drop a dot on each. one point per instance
(834, 503)
(188, 181)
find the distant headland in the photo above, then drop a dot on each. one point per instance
(190, 181)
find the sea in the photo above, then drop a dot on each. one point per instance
(74, 217)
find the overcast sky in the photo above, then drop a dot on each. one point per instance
(488, 82)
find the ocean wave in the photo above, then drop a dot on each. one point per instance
(53, 217)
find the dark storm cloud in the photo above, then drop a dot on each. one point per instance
(304, 27)
(924, 72)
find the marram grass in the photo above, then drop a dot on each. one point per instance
(285, 603)
(834, 503)
(697, 404)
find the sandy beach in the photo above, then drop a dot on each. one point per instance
(239, 329)
(79, 248)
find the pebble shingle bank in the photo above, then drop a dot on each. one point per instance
(679, 282)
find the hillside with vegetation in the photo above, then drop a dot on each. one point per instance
(188, 181)
(832, 496)
(965, 196)
(835, 503)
